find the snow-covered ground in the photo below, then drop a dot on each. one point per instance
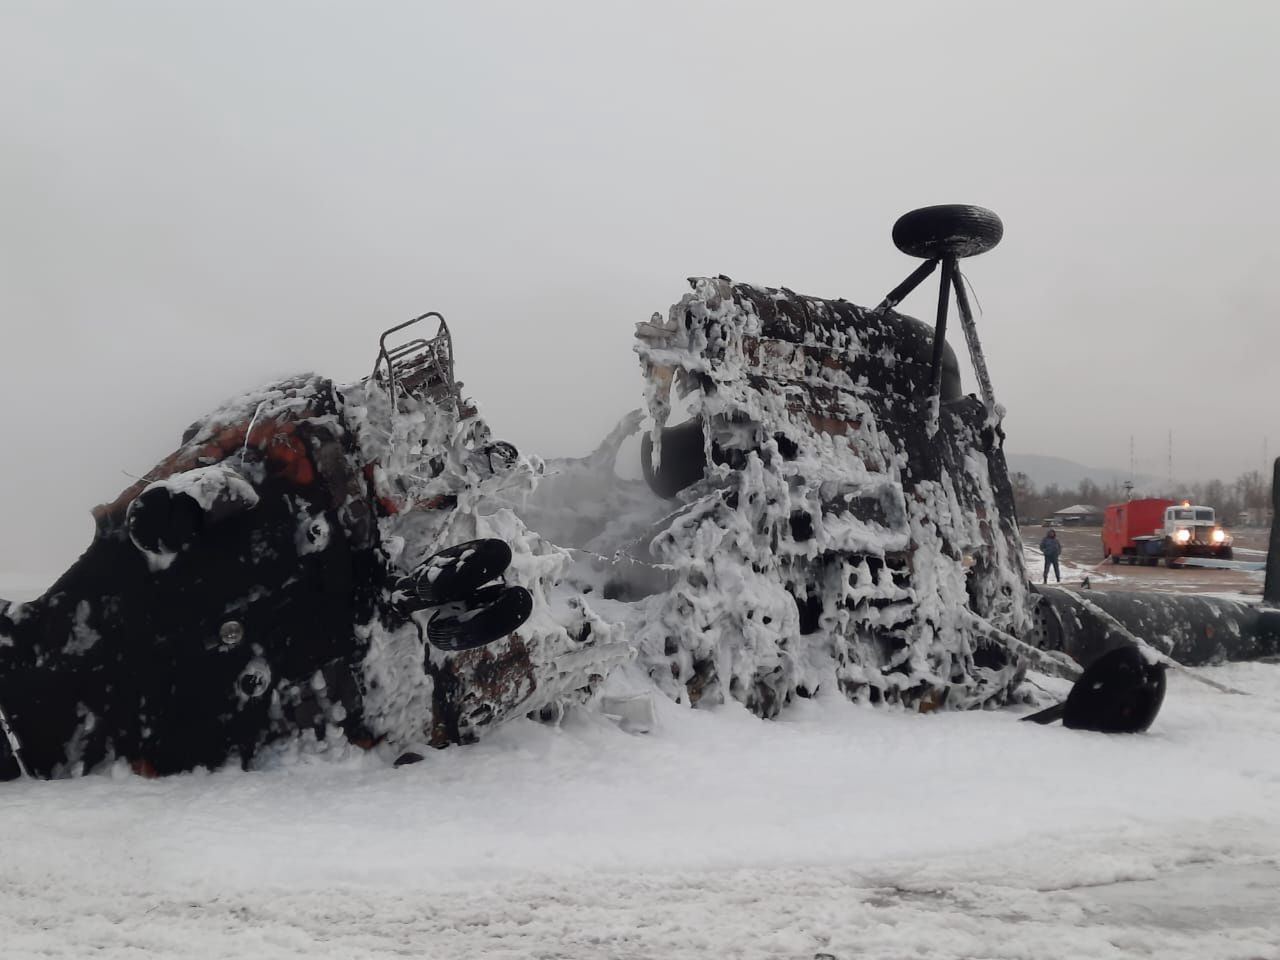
(1072, 573)
(840, 830)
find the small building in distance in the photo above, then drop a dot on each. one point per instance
(1078, 515)
(1254, 518)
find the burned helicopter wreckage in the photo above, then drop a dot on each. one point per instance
(365, 564)
(314, 564)
(838, 518)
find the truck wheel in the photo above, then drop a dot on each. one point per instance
(1171, 562)
(1115, 558)
(1225, 553)
(949, 230)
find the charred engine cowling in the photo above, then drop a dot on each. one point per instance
(214, 592)
(856, 544)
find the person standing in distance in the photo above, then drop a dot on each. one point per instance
(1051, 547)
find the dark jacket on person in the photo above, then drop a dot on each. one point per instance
(1051, 547)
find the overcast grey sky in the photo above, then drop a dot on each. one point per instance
(200, 197)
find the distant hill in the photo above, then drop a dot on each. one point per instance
(1067, 474)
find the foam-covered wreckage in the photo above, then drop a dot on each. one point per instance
(270, 587)
(841, 519)
(323, 565)
(824, 531)
(274, 585)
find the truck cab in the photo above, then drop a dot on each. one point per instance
(1193, 531)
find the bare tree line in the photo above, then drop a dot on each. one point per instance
(1249, 492)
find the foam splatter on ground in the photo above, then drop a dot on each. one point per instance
(838, 829)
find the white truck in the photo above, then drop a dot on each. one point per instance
(1193, 531)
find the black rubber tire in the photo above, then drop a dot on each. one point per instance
(949, 230)
(456, 573)
(1226, 553)
(490, 614)
(1120, 692)
(1115, 558)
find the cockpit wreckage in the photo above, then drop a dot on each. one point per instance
(366, 564)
